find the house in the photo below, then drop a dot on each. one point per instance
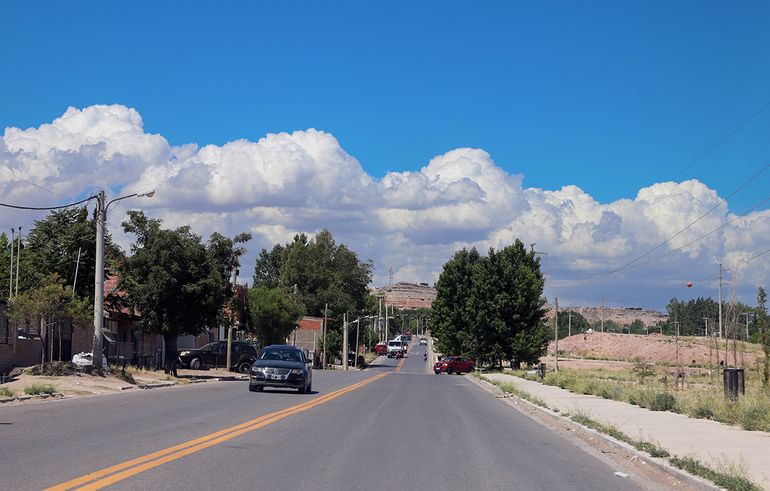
(307, 334)
(7, 341)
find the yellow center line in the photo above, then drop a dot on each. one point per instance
(135, 466)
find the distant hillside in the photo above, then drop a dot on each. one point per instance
(619, 315)
(408, 296)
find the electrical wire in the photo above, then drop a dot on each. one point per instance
(701, 217)
(727, 137)
(32, 183)
(704, 235)
(18, 207)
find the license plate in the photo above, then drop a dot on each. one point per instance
(276, 377)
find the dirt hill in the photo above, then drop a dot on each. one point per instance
(654, 348)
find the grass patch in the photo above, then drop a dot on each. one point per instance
(39, 389)
(512, 389)
(6, 392)
(729, 479)
(122, 374)
(53, 369)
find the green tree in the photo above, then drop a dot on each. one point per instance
(576, 325)
(322, 271)
(274, 314)
(451, 320)
(491, 307)
(52, 300)
(177, 284)
(52, 246)
(763, 328)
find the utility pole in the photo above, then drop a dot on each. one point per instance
(706, 321)
(345, 341)
(326, 314)
(230, 324)
(747, 314)
(386, 322)
(379, 322)
(602, 314)
(355, 360)
(10, 275)
(18, 257)
(556, 337)
(720, 300)
(98, 349)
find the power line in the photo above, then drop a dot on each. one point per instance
(18, 207)
(704, 235)
(32, 183)
(726, 137)
(721, 202)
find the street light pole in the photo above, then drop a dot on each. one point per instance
(101, 220)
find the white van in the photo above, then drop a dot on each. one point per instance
(395, 348)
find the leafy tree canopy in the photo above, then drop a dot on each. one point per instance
(177, 283)
(491, 307)
(274, 314)
(322, 271)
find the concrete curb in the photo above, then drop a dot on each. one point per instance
(659, 463)
(55, 395)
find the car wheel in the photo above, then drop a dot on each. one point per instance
(310, 387)
(252, 388)
(195, 364)
(303, 389)
(449, 371)
(244, 367)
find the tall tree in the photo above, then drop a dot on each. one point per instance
(274, 314)
(492, 307)
(52, 246)
(177, 284)
(322, 271)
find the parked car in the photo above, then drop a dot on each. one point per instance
(281, 365)
(215, 355)
(381, 348)
(423, 342)
(453, 364)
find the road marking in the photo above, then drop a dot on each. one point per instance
(113, 474)
(400, 364)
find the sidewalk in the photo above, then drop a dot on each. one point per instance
(708, 441)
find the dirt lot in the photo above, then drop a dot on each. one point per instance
(81, 384)
(654, 348)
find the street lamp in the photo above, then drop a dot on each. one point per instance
(101, 219)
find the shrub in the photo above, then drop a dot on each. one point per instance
(609, 390)
(38, 389)
(755, 414)
(54, 369)
(662, 401)
(643, 369)
(6, 392)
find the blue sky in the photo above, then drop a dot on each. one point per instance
(563, 92)
(612, 97)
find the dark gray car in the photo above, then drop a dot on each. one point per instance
(281, 365)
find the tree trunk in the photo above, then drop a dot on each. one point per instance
(169, 341)
(766, 370)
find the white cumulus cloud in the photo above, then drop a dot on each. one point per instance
(410, 221)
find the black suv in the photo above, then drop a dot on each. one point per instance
(215, 355)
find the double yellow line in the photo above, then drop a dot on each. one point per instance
(119, 472)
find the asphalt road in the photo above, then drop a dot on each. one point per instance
(404, 427)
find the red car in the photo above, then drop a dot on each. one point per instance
(381, 349)
(453, 364)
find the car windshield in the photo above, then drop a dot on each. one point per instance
(281, 355)
(395, 343)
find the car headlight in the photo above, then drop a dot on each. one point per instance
(296, 371)
(184, 353)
